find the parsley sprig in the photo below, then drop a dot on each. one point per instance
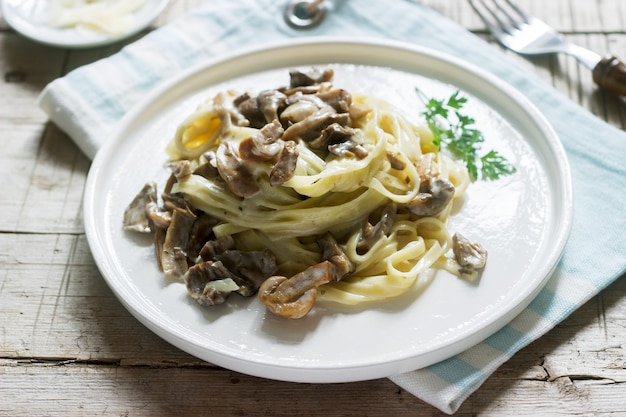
(456, 131)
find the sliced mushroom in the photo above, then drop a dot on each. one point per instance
(270, 102)
(201, 231)
(395, 162)
(209, 283)
(313, 76)
(294, 297)
(213, 248)
(177, 202)
(348, 149)
(174, 254)
(472, 256)
(434, 196)
(340, 140)
(159, 241)
(135, 215)
(250, 268)
(159, 219)
(332, 134)
(208, 169)
(311, 127)
(181, 169)
(249, 107)
(234, 172)
(264, 145)
(338, 99)
(306, 97)
(372, 234)
(332, 252)
(285, 167)
(298, 111)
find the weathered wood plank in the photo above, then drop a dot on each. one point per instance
(47, 173)
(51, 287)
(66, 390)
(77, 389)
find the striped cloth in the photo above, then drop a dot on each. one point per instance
(90, 100)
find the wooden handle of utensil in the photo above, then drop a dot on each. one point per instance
(610, 73)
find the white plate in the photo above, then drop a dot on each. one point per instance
(523, 220)
(31, 19)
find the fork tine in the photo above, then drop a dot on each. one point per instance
(525, 17)
(514, 22)
(509, 17)
(495, 28)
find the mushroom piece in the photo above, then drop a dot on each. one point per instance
(177, 202)
(298, 111)
(434, 196)
(395, 162)
(136, 217)
(470, 255)
(250, 268)
(294, 297)
(181, 169)
(311, 127)
(249, 107)
(160, 219)
(208, 169)
(340, 140)
(372, 234)
(174, 254)
(338, 99)
(285, 167)
(332, 252)
(348, 149)
(306, 97)
(264, 145)
(270, 103)
(213, 248)
(313, 76)
(200, 232)
(234, 172)
(332, 134)
(209, 283)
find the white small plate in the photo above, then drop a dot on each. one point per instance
(31, 18)
(523, 220)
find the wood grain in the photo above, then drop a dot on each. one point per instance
(69, 348)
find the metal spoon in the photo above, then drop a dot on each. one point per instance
(305, 14)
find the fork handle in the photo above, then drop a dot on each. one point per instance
(610, 73)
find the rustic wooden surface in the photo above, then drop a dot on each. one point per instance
(69, 348)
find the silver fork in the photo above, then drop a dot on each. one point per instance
(527, 35)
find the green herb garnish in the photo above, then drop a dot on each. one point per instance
(455, 130)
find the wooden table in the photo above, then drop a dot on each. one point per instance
(69, 348)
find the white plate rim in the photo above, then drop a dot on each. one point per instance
(69, 38)
(332, 372)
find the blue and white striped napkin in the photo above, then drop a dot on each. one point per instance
(89, 101)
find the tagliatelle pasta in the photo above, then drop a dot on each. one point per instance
(347, 195)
